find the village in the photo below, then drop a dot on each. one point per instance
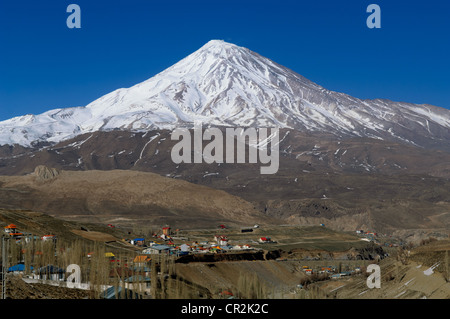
(129, 268)
(136, 269)
(159, 244)
(179, 246)
(167, 242)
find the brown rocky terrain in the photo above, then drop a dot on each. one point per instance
(419, 273)
(124, 197)
(345, 183)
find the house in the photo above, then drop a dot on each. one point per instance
(157, 249)
(370, 233)
(165, 237)
(221, 240)
(18, 268)
(108, 255)
(265, 240)
(10, 229)
(326, 270)
(166, 231)
(215, 249)
(16, 236)
(51, 272)
(141, 260)
(185, 248)
(138, 241)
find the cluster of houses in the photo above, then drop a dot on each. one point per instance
(138, 265)
(165, 244)
(135, 271)
(218, 245)
(136, 282)
(12, 231)
(369, 236)
(332, 271)
(373, 237)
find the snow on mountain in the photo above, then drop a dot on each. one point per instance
(227, 85)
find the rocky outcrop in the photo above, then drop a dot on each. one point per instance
(44, 173)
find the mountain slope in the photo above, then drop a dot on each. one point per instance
(124, 197)
(347, 184)
(226, 85)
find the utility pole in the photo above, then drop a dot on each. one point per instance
(4, 266)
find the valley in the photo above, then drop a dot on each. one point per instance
(300, 262)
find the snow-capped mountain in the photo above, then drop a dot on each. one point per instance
(226, 85)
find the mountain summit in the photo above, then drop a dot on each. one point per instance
(222, 84)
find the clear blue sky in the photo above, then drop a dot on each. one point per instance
(45, 65)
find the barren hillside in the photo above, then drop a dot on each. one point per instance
(122, 197)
